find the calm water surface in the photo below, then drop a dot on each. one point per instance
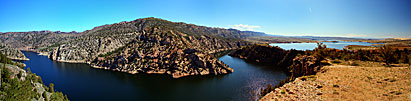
(311, 46)
(81, 82)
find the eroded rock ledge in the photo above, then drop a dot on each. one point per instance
(158, 51)
(178, 63)
(12, 53)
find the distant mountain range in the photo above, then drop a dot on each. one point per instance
(328, 38)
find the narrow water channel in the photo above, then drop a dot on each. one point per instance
(82, 83)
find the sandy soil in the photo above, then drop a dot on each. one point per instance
(341, 82)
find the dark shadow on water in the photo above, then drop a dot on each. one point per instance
(21, 61)
(262, 66)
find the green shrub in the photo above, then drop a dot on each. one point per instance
(282, 91)
(51, 87)
(21, 90)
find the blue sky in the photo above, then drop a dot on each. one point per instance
(348, 18)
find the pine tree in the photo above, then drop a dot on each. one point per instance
(51, 85)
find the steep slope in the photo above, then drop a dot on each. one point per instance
(152, 45)
(164, 51)
(12, 53)
(39, 41)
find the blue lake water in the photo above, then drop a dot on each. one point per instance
(82, 83)
(311, 46)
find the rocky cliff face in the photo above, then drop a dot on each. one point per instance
(38, 41)
(86, 48)
(12, 53)
(304, 65)
(153, 45)
(166, 51)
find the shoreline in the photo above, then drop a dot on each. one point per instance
(161, 71)
(19, 59)
(40, 53)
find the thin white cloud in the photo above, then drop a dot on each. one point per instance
(310, 10)
(352, 35)
(356, 35)
(245, 27)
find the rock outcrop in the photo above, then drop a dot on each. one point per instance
(304, 65)
(12, 53)
(164, 51)
(86, 48)
(152, 45)
(37, 41)
(303, 88)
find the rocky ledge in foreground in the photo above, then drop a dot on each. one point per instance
(301, 88)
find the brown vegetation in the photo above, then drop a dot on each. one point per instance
(339, 82)
(266, 54)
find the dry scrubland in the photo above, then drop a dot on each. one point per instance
(369, 81)
(395, 43)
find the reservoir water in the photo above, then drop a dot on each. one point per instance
(311, 46)
(82, 83)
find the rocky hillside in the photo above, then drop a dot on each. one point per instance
(12, 53)
(152, 45)
(39, 41)
(148, 45)
(164, 51)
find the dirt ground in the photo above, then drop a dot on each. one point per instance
(342, 82)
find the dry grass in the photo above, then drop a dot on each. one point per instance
(364, 63)
(352, 83)
(366, 83)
